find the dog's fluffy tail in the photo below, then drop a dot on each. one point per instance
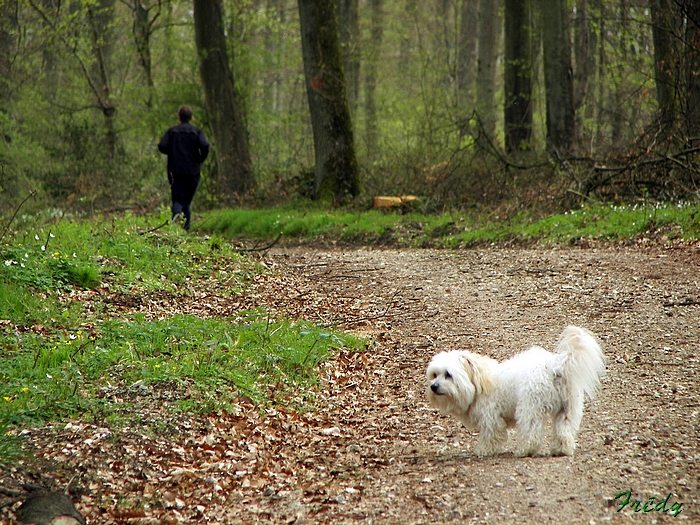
(583, 364)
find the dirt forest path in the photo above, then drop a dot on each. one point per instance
(375, 452)
(390, 458)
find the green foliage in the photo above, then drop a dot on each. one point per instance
(9, 447)
(66, 352)
(67, 373)
(306, 223)
(594, 222)
(55, 133)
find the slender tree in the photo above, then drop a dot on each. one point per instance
(336, 174)
(144, 18)
(665, 58)
(371, 68)
(518, 75)
(235, 169)
(488, 36)
(348, 17)
(100, 17)
(8, 29)
(558, 75)
(466, 53)
(691, 11)
(581, 53)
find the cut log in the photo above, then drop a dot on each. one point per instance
(393, 202)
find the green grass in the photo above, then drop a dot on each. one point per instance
(64, 356)
(295, 223)
(44, 377)
(61, 356)
(594, 222)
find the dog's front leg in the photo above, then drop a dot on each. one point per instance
(493, 435)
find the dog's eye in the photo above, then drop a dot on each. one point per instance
(448, 375)
(433, 376)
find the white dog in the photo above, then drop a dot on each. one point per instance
(522, 392)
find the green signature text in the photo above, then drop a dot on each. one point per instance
(650, 505)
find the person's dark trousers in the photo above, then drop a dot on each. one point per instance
(182, 191)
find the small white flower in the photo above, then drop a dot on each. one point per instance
(36, 236)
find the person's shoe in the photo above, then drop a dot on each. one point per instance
(176, 218)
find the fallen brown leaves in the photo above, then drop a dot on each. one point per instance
(372, 451)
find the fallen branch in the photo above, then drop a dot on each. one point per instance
(7, 227)
(261, 249)
(154, 229)
(686, 302)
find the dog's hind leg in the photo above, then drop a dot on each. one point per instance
(565, 428)
(530, 429)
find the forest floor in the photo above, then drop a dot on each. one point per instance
(373, 450)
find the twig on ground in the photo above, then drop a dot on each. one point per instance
(7, 226)
(154, 229)
(685, 302)
(262, 248)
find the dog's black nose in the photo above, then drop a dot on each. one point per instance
(435, 387)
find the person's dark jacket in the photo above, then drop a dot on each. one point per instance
(186, 148)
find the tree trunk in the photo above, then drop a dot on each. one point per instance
(100, 18)
(602, 68)
(142, 38)
(581, 53)
(488, 35)
(590, 107)
(691, 10)
(558, 79)
(518, 75)
(466, 54)
(665, 58)
(8, 27)
(337, 173)
(348, 16)
(225, 115)
(408, 42)
(375, 43)
(274, 41)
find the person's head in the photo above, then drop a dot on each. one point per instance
(184, 113)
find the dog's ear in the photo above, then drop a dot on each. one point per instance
(478, 370)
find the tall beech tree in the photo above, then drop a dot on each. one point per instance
(466, 52)
(488, 36)
(100, 19)
(336, 173)
(348, 17)
(518, 75)
(371, 75)
(224, 112)
(558, 75)
(691, 12)
(665, 58)
(145, 16)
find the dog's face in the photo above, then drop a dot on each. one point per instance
(455, 379)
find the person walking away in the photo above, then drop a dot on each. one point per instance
(187, 148)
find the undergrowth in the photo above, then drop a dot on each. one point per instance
(66, 351)
(593, 221)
